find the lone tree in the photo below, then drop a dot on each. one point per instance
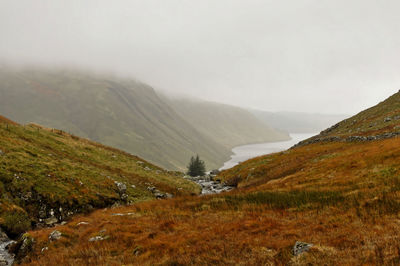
(196, 167)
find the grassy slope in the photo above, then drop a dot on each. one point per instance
(225, 124)
(342, 197)
(122, 113)
(42, 169)
(380, 119)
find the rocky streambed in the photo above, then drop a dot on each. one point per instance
(209, 185)
(5, 257)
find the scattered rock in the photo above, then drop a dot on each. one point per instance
(1, 153)
(151, 189)
(55, 235)
(215, 172)
(3, 237)
(301, 247)
(98, 238)
(388, 119)
(159, 195)
(3, 261)
(82, 223)
(121, 187)
(123, 214)
(51, 221)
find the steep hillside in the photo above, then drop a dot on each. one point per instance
(121, 113)
(379, 122)
(297, 122)
(48, 175)
(342, 197)
(229, 125)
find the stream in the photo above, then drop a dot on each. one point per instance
(5, 257)
(243, 153)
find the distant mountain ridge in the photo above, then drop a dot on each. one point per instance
(122, 113)
(228, 125)
(297, 122)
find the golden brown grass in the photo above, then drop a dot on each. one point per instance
(342, 197)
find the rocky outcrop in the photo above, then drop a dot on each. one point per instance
(121, 190)
(22, 247)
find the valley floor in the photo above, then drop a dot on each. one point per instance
(341, 197)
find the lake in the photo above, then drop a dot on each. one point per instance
(245, 152)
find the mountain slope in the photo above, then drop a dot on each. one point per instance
(297, 122)
(378, 122)
(341, 196)
(47, 175)
(228, 125)
(122, 113)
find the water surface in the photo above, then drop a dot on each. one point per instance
(245, 152)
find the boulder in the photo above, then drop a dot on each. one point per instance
(3, 237)
(301, 247)
(121, 187)
(55, 235)
(51, 221)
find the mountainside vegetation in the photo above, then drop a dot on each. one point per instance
(125, 114)
(341, 195)
(48, 175)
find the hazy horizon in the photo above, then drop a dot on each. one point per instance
(304, 56)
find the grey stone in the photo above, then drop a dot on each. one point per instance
(301, 247)
(3, 261)
(55, 235)
(98, 238)
(51, 221)
(121, 187)
(215, 172)
(159, 195)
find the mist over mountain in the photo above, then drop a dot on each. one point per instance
(228, 125)
(297, 122)
(130, 115)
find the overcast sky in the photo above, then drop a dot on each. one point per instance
(326, 56)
